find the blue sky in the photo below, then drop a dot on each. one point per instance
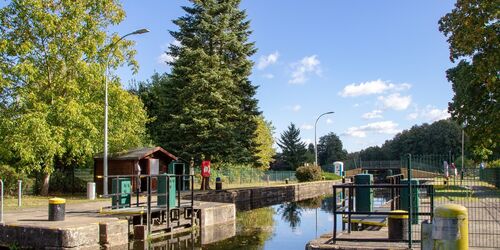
(379, 65)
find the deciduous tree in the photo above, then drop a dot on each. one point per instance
(473, 32)
(330, 149)
(52, 64)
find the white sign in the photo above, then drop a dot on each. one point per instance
(445, 229)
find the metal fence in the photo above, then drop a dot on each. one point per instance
(248, 176)
(438, 180)
(469, 186)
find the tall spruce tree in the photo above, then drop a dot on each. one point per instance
(208, 101)
(293, 149)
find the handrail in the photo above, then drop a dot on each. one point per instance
(147, 208)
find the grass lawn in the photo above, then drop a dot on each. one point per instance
(330, 176)
(28, 201)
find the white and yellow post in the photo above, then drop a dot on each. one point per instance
(450, 227)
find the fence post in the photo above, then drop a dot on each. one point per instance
(410, 201)
(19, 192)
(148, 215)
(334, 213)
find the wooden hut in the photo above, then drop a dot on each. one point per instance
(152, 161)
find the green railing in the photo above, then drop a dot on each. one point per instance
(247, 176)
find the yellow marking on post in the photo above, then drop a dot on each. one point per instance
(57, 201)
(398, 214)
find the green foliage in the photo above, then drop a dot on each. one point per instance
(445, 136)
(330, 176)
(10, 177)
(472, 29)
(310, 154)
(493, 164)
(264, 139)
(330, 149)
(52, 58)
(62, 182)
(293, 149)
(236, 173)
(308, 173)
(207, 105)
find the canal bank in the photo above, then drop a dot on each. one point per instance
(86, 228)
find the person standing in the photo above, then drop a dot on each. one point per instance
(453, 169)
(445, 168)
(205, 175)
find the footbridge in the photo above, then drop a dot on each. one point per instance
(381, 169)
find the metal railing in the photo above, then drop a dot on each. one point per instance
(347, 208)
(188, 207)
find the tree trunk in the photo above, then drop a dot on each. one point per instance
(45, 186)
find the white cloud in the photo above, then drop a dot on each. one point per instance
(384, 127)
(165, 58)
(268, 76)
(395, 101)
(270, 59)
(372, 87)
(429, 114)
(306, 66)
(296, 108)
(329, 121)
(437, 114)
(373, 115)
(306, 127)
(412, 116)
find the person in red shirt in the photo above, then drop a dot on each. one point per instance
(205, 175)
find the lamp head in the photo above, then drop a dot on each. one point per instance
(141, 31)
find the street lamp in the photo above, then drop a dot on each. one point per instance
(316, 146)
(111, 48)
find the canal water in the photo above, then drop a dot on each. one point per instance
(286, 226)
(289, 225)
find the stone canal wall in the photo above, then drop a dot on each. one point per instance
(255, 197)
(110, 233)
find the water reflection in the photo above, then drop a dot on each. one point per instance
(289, 225)
(290, 212)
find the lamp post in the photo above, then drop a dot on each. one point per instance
(111, 48)
(315, 144)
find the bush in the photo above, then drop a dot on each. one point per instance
(308, 173)
(62, 182)
(10, 178)
(493, 164)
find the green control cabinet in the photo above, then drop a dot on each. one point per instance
(182, 174)
(162, 190)
(124, 187)
(404, 199)
(364, 196)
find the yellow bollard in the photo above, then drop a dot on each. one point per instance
(450, 229)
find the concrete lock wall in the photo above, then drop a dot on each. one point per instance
(91, 236)
(250, 198)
